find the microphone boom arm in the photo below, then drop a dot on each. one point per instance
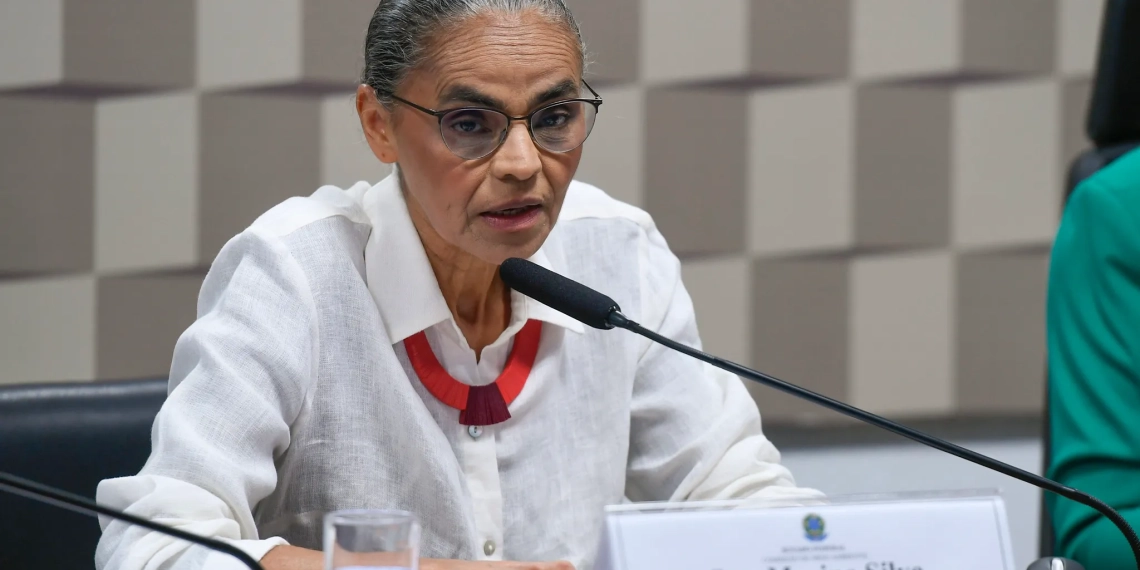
(617, 319)
(76, 503)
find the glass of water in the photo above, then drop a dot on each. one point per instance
(369, 539)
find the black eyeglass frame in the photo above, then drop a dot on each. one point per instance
(440, 114)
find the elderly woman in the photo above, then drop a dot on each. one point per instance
(357, 349)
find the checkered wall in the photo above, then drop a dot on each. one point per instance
(863, 192)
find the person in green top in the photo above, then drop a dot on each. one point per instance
(1094, 363)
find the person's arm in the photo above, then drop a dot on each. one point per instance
(238, 380)
(1094, 371)
(293, 558)
(695, 430)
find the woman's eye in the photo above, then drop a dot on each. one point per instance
(555, 120)
(468, 124)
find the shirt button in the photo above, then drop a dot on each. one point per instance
(475, 432)
(489, 548)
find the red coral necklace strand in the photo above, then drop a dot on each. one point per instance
(477, 405)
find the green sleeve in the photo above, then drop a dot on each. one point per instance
(1094, 364)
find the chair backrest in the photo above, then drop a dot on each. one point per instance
(1114, 112)
(1113, 125)
(70, 436)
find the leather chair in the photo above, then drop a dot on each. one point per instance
(1113, 125)
(70, 436)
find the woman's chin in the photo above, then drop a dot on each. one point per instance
(498, 251)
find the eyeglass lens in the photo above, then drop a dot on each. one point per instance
(475, 133)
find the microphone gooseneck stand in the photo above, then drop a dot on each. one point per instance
(617, 319)
(601, 312)
(63, 499)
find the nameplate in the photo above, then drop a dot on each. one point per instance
(898, 533)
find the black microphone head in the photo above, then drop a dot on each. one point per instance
(559, 293)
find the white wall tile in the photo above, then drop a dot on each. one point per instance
(345, 156)
(901, 333)
(1078, 25)
(801, 169)
(613, 158)
(1006, 174)
(31, 42)
(49, 329)
(686, 40)
(905, 37)
(146, 182)
(720, 288)
(248, 42)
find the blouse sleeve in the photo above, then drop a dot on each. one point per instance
(238, 380)
(695, 430)
(1094, 371)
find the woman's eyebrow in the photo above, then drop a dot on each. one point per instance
(467, 94)
(566, 88)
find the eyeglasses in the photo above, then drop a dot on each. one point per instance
(475, 132)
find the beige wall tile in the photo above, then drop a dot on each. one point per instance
(1075, 96)
(902, 166)
(1011, 36)
(345, 155)
(129, 43)
(1006, 176)
(48, 331)
(801, 333)
(1001, 331)
(31, 43)
(252, 160)
(613, 158)
(721, 291)
(897, 38)
(684, 40)
(1078, 36)
(333, 39)
(793, 38)
(902, 333)
(695, 191)
(140, 317)
(249, 42)
(146, 182)
(612, 32)
(46, 174)
(800, 171)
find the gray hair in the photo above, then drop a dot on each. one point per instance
(401, 29)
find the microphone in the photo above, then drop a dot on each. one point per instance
(599, 311)
(63, 499)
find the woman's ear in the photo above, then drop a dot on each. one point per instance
(376, 120)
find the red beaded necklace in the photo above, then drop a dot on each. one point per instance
(477, 405)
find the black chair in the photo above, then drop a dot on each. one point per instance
(1113, 125)
(70, 436)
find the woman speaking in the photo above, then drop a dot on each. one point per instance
(357, 349)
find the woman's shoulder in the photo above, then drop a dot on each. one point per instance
(596, 224)
(326, 227)
(588, 202)
(1105, 208)
(327, 202)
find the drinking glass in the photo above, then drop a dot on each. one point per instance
(368, 539)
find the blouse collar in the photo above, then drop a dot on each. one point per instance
(403, 284)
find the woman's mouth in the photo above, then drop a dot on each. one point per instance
(513, 219)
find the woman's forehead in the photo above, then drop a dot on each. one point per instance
(487, 59)
(533, 94)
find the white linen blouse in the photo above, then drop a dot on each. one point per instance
(292, 396)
